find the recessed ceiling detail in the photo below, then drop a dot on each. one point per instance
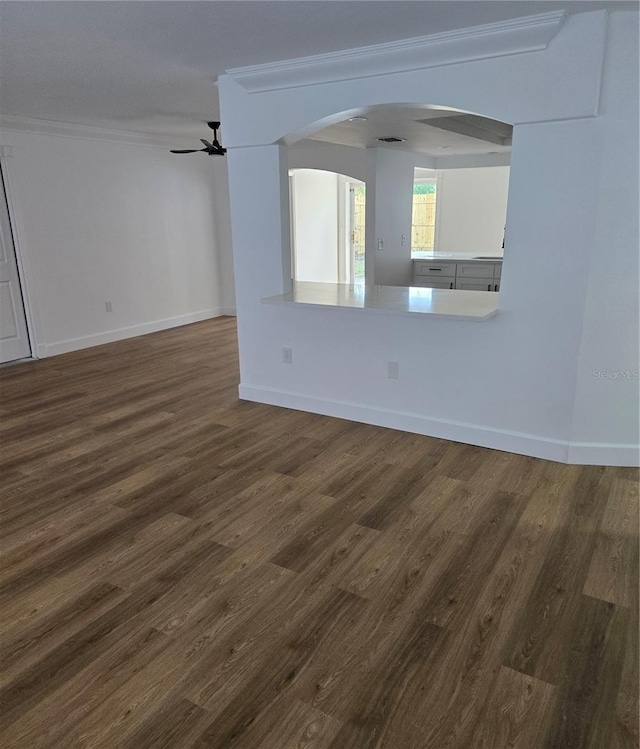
(431, 130)
(472, 126)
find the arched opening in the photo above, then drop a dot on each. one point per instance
(437, 184)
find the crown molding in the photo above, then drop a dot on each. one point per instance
(9, 123)
(527, 34)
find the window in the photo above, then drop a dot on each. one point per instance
(423, 220)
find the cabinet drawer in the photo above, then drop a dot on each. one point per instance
(435, 282)
(434, 269)
(498, 271)
(475, 270)
(475, 284)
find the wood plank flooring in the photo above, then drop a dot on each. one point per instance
(181, 569)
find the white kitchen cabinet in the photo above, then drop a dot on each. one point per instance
(434, 275)
(423, 268)
(433, 282)
(475, 270)
(466, 275)
(475, 284)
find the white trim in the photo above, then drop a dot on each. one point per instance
(9, 123)
(292, 224)
(603, 454)
(109, 336)
(342, 238)
(527, 34)
(473, 434)
(6, 152)
(438, 226)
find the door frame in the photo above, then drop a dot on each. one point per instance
(351, 184)
(38, 351)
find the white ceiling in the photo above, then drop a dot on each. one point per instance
(408, 123)
(151, 66)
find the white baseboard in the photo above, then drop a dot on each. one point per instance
(109, 336)
(471, 434)
(603, 454)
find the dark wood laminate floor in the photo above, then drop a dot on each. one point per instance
(180, 569)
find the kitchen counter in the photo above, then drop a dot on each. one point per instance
(456, 257)
(442, 303)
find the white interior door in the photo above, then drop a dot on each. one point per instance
(14, 339)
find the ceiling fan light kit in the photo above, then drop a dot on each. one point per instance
(211, 149)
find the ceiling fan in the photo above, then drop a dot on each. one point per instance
(211, 149)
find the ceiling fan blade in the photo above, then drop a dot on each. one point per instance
(208, 145)
(191, 150)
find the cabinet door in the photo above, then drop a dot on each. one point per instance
(439, 282)
(475, 270)
(475, 284)
(497, 273)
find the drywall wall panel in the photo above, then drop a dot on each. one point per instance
(101, 222)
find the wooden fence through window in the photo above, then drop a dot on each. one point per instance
(423, 222)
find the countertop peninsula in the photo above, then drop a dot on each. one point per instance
(404, 300)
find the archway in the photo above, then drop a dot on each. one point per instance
(395, 147)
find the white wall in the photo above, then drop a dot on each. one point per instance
(315, 225)
(389, 216)
(471, 210)
(511, 382)
(223, 236)
(606, 398)
(103, 221)
(330, 157)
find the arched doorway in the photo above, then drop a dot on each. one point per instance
(327, 226)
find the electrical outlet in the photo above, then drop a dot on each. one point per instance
(403, 240)
(287, 355)
(108, 306)
(393, 370)
(380, 245)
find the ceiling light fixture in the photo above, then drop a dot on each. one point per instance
(357, 119)
(444, 148)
